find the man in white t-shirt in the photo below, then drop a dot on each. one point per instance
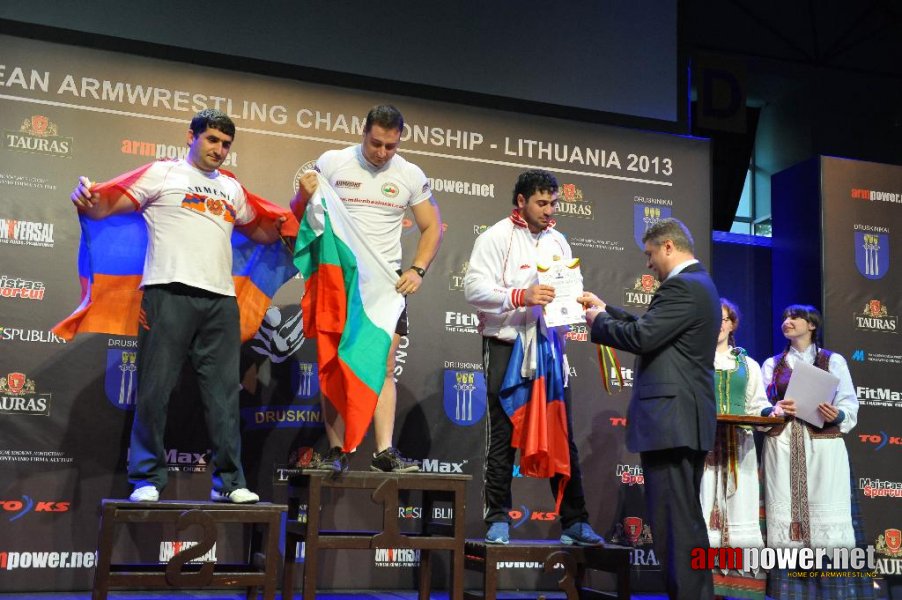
(377, 186)
(188, 308)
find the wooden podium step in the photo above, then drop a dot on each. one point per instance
(260, 570)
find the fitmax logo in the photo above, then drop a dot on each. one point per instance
(858, 355)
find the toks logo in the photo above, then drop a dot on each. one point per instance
(18, 397)
(518, 517)
(881, 440)
(16, 509)
(872, 252)
(464, 396)
(874, 317)
(38, 135)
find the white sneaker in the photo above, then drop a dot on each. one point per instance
(237, 496)
(145, 493)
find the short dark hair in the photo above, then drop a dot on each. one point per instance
(809, 314)
(733, 315)
(532, 181)
(673, 230)
(385, 116)
(210, 118)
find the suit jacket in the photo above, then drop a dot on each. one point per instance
(673, 402)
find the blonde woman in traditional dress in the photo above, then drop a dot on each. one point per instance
(730, 491)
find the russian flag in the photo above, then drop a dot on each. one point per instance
(537, 409)
(111, 263)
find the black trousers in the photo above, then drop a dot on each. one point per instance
(499, 456)
(672, 482)
(179, 322)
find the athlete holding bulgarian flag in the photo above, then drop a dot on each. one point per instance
(349, 253)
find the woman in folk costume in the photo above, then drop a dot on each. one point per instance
(730, 491)
(808, 490)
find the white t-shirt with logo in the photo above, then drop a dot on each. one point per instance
(189, 215)
(376, 198)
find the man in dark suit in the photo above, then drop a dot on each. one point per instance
(672, 415)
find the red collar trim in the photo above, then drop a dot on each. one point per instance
(519, 221)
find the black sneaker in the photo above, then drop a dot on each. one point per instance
(391, 461)
(334, 460)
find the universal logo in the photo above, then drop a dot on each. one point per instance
(38, 135)
(26, 233)
(874, 317)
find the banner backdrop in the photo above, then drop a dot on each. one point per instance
(66, 408)
(837, 248)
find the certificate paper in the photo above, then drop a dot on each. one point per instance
(567, 280)
(809, 387)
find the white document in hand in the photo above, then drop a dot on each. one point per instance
(567, 280)
(809, 387)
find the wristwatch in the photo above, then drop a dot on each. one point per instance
(418, 271)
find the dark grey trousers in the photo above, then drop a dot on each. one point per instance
(179, 322)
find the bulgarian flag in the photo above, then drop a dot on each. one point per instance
(111, 264)
(532, 395)
(350, 307)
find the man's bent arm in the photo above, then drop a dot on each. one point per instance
(429, 221)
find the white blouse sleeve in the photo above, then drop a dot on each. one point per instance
(755, 398)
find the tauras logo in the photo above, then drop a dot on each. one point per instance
(642, 291)
(889, 544)
(38, 135)
(18, 397)
(874, 317)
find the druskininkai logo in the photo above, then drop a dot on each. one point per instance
(121, 379)
(464, 396)
(872, 254)
(644, 216)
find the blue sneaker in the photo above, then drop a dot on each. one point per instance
(498, 533)
(581, 534)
